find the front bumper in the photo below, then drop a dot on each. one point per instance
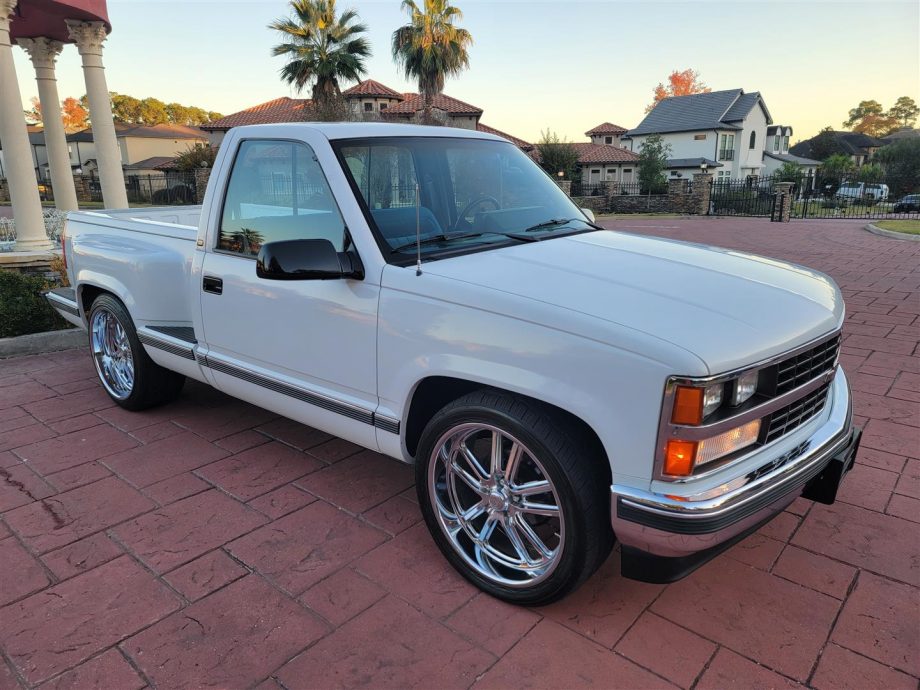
(665, 537)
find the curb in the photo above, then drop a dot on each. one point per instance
(875, 230)
(37, 343)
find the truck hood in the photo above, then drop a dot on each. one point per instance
(729, 308)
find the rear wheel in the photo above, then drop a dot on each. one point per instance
(127, 373)
(514, 496)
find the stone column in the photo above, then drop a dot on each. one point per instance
(44, 52)
(701, 194)
(89, 37)
(23, 185)
(782, 206)
(81, 188)
(678, 195)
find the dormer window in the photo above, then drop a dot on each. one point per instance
(383, 106)
(608, 140)
(753, 143)
(368, 107)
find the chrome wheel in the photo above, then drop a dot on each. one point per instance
(112, 354)
(496, 504)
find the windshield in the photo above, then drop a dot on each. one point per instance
(471, 193)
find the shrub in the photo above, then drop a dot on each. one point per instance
(23, 309)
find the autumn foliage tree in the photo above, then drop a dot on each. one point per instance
(679, 84)
(870, 118)
(73, 113)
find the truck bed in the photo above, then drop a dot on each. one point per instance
(180, 222)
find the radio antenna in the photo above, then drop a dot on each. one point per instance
(418, 233)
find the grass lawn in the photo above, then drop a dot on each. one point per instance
(910, 227)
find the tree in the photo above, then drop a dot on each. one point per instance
(126, 109)
(153, 112)
(653, 159)
(196, 156)
(74, 115)
(557, 155)
(870, 172)
(901, 163)
(836, 170)
(870, 118)
(905, 111)
(431, 47)
(679, 84)
(321, 48)
(789, 172)
(825, 145)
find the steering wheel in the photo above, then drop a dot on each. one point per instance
(485, 198)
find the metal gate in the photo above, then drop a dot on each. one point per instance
(748, 197)
(890, 198)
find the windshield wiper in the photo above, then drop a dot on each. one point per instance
(560, 221)
(442, 238)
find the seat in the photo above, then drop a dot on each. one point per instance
(397, 225)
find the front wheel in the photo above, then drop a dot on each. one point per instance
(515, 496)
(127, 373)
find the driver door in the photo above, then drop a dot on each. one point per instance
(303, 348)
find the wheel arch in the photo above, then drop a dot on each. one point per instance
(432, 393)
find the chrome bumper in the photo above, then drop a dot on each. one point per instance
(668, 526)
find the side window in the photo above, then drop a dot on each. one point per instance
(277, 191)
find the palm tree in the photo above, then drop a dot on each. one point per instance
(431, 47)
(321, 48)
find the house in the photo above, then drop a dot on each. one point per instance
(367, 100)
(137, 144)
(858, 146)
(899, 134)
(606, 163)
(608, 134)
(723, 129)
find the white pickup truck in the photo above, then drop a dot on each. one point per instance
(431, 294)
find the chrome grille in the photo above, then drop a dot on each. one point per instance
(805, 366)
(796, 414)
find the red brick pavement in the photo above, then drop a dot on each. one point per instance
(210, 543)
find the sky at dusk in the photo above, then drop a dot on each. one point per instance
(563, 65)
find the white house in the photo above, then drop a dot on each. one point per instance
(726, 130)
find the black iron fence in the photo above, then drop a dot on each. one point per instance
(818, 196)
(169, 189)
(614, 188)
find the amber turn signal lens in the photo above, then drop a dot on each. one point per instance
(688, 406)
(679, 457)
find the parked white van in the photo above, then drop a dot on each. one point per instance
(863, 190)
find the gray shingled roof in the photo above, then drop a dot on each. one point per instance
(692, 163)
(700, 111)
(789, 158)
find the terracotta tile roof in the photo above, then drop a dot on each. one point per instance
(414, 102)
(605, 128)
(520, 143)
(601, 153)
(369, 87)
(164, 131)
(282, 109)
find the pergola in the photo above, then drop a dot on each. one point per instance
(42, 28)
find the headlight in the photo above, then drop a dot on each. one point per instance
(682, 457)
(744, 387)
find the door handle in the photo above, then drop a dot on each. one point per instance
(213, 285)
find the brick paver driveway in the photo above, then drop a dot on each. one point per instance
(212, 543)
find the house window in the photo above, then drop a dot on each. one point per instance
(368, 107)
(753, 143)
(596, 172)
(699, 137)
(608, 140)
(727, 147)
(776, 140)
(785, 143)
(383, 106)
(627, 170)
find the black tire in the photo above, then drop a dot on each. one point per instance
(153, 385)
(573, 464)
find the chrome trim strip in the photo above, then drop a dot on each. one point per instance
(827, 440)
(62, 304)
(386, 423)
(699, 433)
(330, 404)
(667, 406)
(172, 348)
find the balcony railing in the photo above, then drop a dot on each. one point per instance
(727, 155)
